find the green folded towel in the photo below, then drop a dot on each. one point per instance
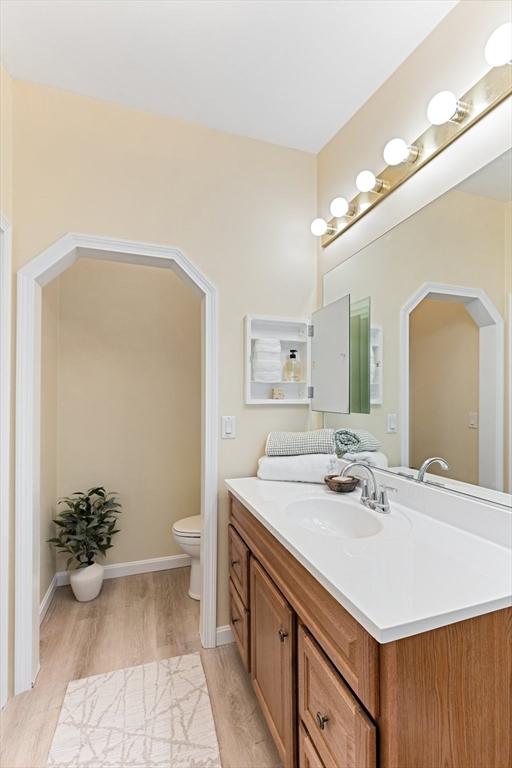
(299, 443)
(354, 441)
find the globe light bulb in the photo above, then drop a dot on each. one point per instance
(319, 227)
(366, 181)
(397, 151)
(443, 107)
(339, 207)
(498, 49)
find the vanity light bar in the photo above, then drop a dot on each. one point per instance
(449, 118)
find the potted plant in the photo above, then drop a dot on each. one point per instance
(84, 530)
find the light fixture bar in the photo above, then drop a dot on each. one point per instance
(493, 88)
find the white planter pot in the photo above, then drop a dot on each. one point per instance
(86, 582)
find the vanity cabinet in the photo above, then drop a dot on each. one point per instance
(333, 697)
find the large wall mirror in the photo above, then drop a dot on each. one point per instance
(431, 335)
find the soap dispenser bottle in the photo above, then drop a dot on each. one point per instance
(292, 368)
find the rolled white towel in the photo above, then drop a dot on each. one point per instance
(375, 459)
(308, 468)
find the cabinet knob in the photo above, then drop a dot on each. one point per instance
(282, 635)
(234, 620)
(321, 720)
(235, 562)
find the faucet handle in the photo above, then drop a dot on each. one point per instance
(382, 505)
(365, 495)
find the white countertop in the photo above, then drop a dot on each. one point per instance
(418, 574)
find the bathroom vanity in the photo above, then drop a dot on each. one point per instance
(381, 673)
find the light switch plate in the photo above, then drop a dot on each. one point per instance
(228, 427)
(473, 420)
(392, 423)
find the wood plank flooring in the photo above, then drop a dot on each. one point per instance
(136, 619)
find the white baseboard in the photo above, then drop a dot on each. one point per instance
(45, 602)
(115, 570)
(224, 635)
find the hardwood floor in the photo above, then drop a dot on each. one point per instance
(136, 619)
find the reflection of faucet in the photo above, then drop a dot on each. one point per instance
(377, 499)
(428, 463)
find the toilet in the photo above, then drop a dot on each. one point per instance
(187, 533)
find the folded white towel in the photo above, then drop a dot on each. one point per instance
(375, 459)
(266, 365)
(268, 377)
(308, 468)
(266, 357)
(267, 345)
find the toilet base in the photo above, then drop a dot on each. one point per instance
(195, 579)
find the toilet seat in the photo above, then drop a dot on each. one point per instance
(188, 526)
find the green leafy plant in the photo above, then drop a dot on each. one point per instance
(86, 526)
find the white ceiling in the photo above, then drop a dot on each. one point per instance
(291, 72)
(493, 180)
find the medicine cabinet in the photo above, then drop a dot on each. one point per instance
(321, 347)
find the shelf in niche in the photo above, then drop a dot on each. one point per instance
(300, 340)
(292, 334)
(281, 383)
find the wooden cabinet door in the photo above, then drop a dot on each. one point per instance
(272, 660)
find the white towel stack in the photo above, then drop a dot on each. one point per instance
(310, 468)
(266, 360)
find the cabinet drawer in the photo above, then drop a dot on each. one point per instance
(342, 733)
(240, 624)
(308, 756)
(238, 564)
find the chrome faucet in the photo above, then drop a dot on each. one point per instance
(427, 464)
(376, 499)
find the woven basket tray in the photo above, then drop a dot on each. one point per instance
(341, 484)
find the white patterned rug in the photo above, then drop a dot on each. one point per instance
(157, 715)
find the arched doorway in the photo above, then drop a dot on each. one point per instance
(31, 278)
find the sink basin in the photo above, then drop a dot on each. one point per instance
(339, 518)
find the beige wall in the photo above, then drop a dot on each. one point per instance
(5, 144)
(458, 239)
(129, 403)
(444, 372)
(6, 190)
(450, 57)
(49, 409)
(238, 208)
